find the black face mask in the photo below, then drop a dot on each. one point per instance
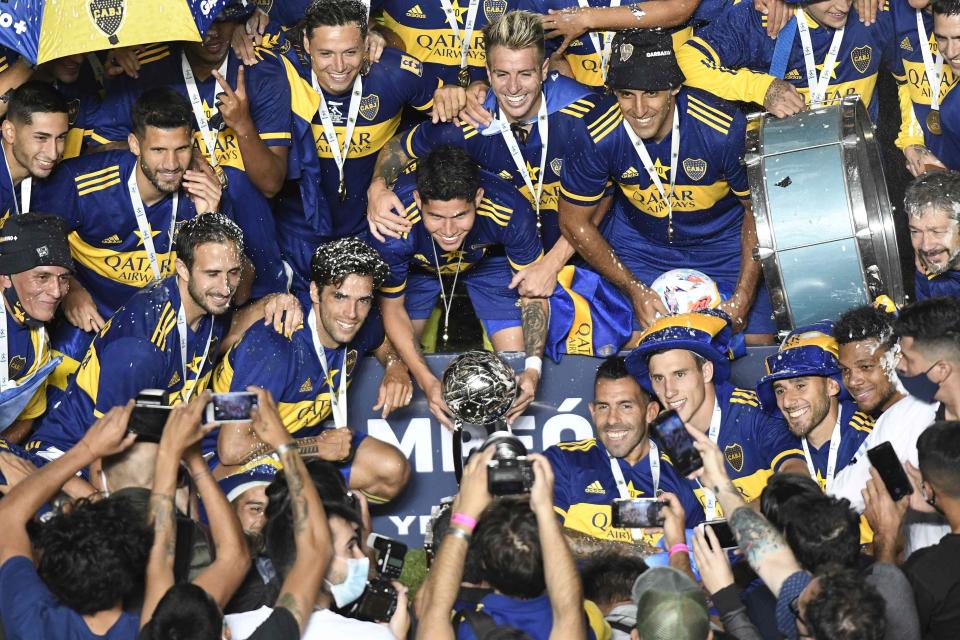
(920, 386)
(13, 300)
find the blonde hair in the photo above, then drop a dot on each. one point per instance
(515, 30)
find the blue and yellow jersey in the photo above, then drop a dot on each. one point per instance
(567, 103)
(949, 151)
(27, 351)
(289, 368)
(137, 349)
(533, 616)
(394, 82)
(912, 81)
(855, 426)
(422, 27)
(504, 221)
(585, 487)
(738, 40)
(20, 452)
(267, 91)
(710, 183)
(932, 286)
(754, 443)
(112, 263)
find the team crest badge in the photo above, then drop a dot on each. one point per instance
(73, 110)
(351, 360)
(860, 56)
(493, 9)
(695, 168)
(556, 164)
(625, 52)
(17, 363)
(265, 5)
(734, 455)
(107, 17)
(369, 106)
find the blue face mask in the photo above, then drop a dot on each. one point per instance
(920, 386)
(353, 585)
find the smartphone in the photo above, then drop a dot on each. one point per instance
(231, 407)
(635, 513)
(721, 529)
(150, 413)
(884, 459)
(669, 430)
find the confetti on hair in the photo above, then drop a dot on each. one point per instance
(334, 261)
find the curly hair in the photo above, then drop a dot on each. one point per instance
(845, 606)
(334, 261)
(94, 555)
(209, 227)
(863, 323)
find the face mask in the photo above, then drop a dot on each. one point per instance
(920, 386)
(354, 584)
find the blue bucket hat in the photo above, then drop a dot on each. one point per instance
(706, 333)
(236, 485)
(811, 350)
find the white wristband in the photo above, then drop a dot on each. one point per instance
(534, 362)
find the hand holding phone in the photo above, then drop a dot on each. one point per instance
(884, 459)
(231, 407)
(721, 529)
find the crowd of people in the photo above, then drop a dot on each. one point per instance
(257, 212)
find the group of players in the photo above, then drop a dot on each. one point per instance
(265, 207)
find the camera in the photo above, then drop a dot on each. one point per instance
(379, 600)
(509, 472)
(150, 413)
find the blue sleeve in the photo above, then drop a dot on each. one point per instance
(735, 39)
(270, 101)
(886, 38)
(414, 85)
(57, 195)
(520, 238)
(775, 442)
(428, 135)
(396, 252)
(127, 367)
(734, 168)
(261, 360)
(112, 121)
(24, 599)
(584, 174)
(561, 495)
(922, 285)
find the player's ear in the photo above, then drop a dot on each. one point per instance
(707, 371)
(653, 410)
(416, 198)
(132, 142)
(479, 197)
(833, 389)
(544, 68)
(9, 131)
(314, 293)
(182, 270)
(6, 281)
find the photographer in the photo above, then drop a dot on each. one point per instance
(542, 599)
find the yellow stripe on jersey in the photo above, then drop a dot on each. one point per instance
(518, 267)
(86, 177)
(749, 394)
(469, 131)
(577, 109)
(282, 135)
(686, 198)
(168, 319)
(721, 116)
(88, 375)
(107, 182)
(153, 51)
(397, 289)
(861, 422)
(780, 456)
(498, 215)
(606, 123)
(127, 267)
(367, 139)
(586, 200)
(578, 445)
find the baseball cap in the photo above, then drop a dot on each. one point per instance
(670, 606)
(33, 240)
(810, 350)
(643, 59)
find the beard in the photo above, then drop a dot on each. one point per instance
(200, 299)
(159, 186)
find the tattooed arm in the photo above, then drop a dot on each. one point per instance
(536, 312)
(311, 534)
(385, 212)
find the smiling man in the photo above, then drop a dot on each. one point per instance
(868, 359)
(475, 228)
(932, 203)
(682, 198)
(803, 383)
(946, 31)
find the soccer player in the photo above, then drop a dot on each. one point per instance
(309, 372)
(467, 222)
(733, 57)
(34, 135)
(946, 30)
(241, 125)
(683, 360)
(165, 337)
(536, 114)
(932, 203)
(620, 462)
(923, 82)
(149, 191)
(804, 384)
(682, 197)
(354, 107)
(35, 265)
(868, 359)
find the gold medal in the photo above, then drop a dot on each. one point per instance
(933, 122)
(342, 191)
(222, 176)
(463, 77)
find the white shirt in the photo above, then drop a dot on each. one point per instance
(900, 425)
(323, 624)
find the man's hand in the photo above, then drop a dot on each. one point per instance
(14, 469)
(284, 312)
(123, 60)
(568, 24)
(448, 101)
(203, 186)
(183, 429)
(647, 305)
(396, 388)
(474, 497)
(527, 385)
(712, 561)
(883, 514)
(109, 434)
(375, 44)
(674, 519)
(867, 10)
(245, 40)
(334, 444)
(536, 281)
(265, 419)
(438, 407)
(920, 160)
(80, 310)
(778, 13)
(234, 105)
(541, 493)
(399, 624)
(916, 500)
(738, 310)
(386, 215)
(474, 113)
(783, 99)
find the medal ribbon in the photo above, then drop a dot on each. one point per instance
(146, 232)
(817, 85)
(182, 331)
(329, 132)
(209, 137)
(338, 397)
(543, 129)
(467, 34)
(831, 457)
(604, 51)
(933, 69)
(653, 457)
(710, 500)
(647, 162)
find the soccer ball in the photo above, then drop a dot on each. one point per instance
(686, 290)
(478, 387)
